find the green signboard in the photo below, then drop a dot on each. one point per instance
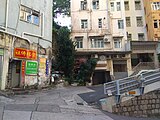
(1, 51)
(31, 68)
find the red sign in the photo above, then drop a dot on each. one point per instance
(25, 54)
(23, 72)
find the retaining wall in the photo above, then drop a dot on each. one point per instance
(146, 105)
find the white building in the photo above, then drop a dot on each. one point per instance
(99, 29)
(135, 20)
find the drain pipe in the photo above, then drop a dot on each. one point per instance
(6, 17)
(7, 7)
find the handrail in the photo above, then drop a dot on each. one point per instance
(138, 81)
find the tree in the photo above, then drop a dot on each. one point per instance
(61, 7)
(86, 70)
(64, 53)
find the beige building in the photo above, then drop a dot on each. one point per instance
(99, 29)
(152, 12)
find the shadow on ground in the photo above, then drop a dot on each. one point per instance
(93, 97)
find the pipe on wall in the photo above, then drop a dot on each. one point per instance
(6, 17)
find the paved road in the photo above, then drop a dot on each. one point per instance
(93, 97)
(55, 104)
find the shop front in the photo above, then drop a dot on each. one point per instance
(23, 68)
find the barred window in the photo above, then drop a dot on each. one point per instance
(139, 21)
(126, 4)
(128, 22)
(137, 5)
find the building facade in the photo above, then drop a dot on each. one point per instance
(25, 42)
(135, 20)
(152, 12)
(99, 29)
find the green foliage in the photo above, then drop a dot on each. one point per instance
(86, 70)
(159, 57)
(64, 53)
(61, 7)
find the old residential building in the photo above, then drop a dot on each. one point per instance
(144, 55)
(25, 42)
(135, 23)
(99, 29)
(152, 12)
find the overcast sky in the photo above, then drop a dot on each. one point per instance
(63, 20)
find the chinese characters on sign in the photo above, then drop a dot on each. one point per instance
(31, 68)
(23, 72)
(47, 67)
(25, 54)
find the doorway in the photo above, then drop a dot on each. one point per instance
(101, 77)
(14, 73)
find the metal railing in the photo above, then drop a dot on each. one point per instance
(139, 81)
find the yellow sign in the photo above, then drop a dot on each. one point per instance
(42, 63)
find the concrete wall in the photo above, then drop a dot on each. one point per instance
(17, 26)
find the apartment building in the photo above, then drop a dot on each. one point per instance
(144, 54)
(135, 20)
(152, 12)
(99, 29)
(25, 42)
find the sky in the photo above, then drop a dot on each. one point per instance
(63, 20)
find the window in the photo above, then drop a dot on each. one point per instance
(83, 5)
(84, 24)
(117, 43)
(137, 5)
(112, 6)
(155, 5)
(128, 22)
(79, 41)
(97, 43)
(100, 23)
(29, 15)
(155, 23)
(95, 4)
(129, 37)
(139, 22)
(126, 4)
(118, 6)
(141, 36)
(120, 24)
